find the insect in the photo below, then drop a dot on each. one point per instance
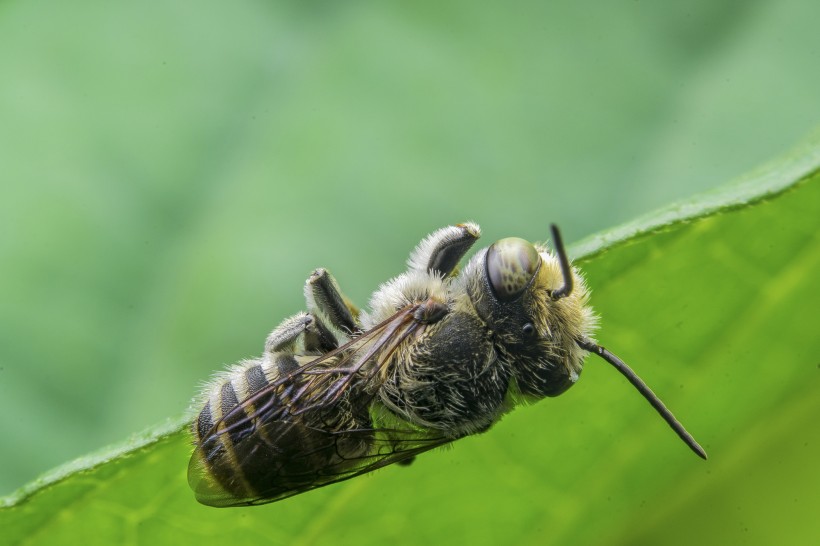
(439, 354)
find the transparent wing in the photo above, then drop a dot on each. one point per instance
(280, 482)
(312, 427)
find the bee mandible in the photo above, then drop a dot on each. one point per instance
(439, 354)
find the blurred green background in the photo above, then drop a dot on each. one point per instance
(171, 172)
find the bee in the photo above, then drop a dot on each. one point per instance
(439, 354)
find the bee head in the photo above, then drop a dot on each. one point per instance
(536, 306)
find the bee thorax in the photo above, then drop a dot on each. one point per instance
(449, 380)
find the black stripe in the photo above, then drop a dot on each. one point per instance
(240, 430)
(238, 424)
(213, 455)
(256, 379)
(227, 398)
(284, 363)
(204, 422)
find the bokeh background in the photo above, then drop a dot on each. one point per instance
(171, 172)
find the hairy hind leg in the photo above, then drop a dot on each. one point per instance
(302, 333)
(441, 251)
(324, 298)
(329, 321)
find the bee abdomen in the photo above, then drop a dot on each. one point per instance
(224, 422)
(255, 378)
(254, 439)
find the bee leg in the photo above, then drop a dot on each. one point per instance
(326, 300)
(441, 251)
(304, 329)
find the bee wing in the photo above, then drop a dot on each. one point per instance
(292, 436)
(390, 446)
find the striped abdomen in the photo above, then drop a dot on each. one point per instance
(256, 441)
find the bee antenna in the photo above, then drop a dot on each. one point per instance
(566, 269)
(647, 393)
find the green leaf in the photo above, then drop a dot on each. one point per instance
(713, 301)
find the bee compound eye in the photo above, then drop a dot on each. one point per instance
(511, 265)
